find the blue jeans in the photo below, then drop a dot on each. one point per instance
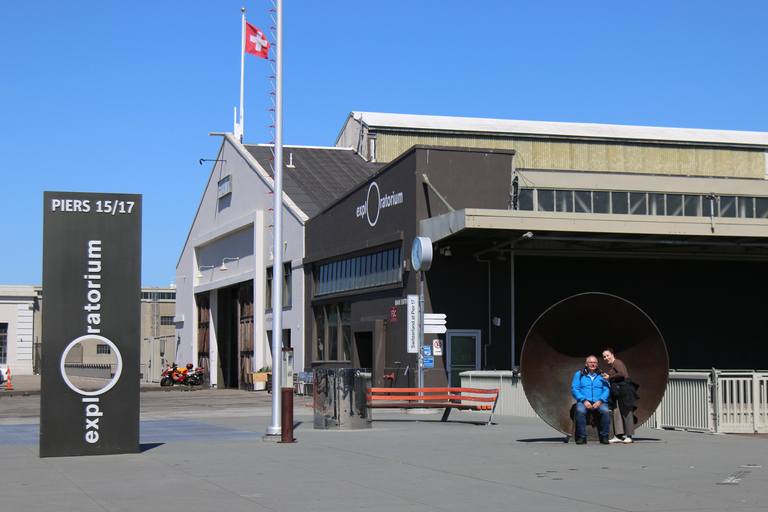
(581, 419)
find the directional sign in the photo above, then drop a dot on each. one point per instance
(429, 362)
(434, 323)
(434, 318)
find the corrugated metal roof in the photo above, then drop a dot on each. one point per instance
(383, 121)
(316, 177)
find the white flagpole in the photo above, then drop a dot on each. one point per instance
(277, 242)
(239, 127)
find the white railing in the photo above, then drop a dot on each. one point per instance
(512, 400)
(714, 401)
(741, 401)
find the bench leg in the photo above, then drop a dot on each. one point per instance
(445, 414)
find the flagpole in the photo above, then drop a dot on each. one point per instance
(239, 127)
(277, 242)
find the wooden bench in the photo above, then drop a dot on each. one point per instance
(434, 398)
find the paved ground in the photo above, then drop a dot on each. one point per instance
(204, 449)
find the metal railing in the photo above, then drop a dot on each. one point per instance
(718, 401)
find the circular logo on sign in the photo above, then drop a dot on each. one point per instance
(85, 348)
(368, 204)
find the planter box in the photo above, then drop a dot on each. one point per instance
(262, 377)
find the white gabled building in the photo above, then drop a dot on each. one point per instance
(223, 296)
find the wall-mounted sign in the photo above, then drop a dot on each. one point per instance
(437, 347)
(375, 202)
(89, 402)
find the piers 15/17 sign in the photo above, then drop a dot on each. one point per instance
(91, 327)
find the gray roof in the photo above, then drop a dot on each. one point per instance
(313, 177)
(383, 121)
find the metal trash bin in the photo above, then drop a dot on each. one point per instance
(340, 398)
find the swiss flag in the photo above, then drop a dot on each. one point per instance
(255, 42)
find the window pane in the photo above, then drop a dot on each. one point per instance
(525, 201)
(287, 288)
(761, 207)
(655, 204)
(333, 333)
(546, 200)
(746, 207)
(346, 331)
(675, 205)
(582, 201)
(268, 304)
(692, 206)
(727, 206)
(399, 260)
(564, 201)
(320, 333)
(378, 269)
(638, 203)
(619, 203)
(601, 202)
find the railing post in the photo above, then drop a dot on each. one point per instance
(714, 398)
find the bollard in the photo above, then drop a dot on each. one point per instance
(286, 425)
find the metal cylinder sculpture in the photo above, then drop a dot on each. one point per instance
(563, 336)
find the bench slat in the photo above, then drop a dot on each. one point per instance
(445, 398)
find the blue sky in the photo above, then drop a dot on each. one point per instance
(120, 96)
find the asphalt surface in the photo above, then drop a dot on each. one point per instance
(204, 449)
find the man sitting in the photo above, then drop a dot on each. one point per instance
(591, 392)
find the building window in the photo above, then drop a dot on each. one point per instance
(158, 296)
(333, 332)
(287, 286)
(642, 203)
(369, 271)
(103, 349)
(3, 343)
(166, 320)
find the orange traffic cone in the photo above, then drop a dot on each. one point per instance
(8, 377)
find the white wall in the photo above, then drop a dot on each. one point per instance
(238, 226)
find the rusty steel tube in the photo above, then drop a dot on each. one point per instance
(560, 340)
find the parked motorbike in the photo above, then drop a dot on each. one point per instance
(175, 375)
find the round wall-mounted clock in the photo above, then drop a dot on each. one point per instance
(421, 253)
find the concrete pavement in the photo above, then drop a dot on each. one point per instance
(204, 449)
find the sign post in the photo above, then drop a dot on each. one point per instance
(92, 286)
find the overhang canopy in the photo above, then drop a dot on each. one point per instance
(505, 230)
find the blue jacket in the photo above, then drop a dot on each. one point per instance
(584, 388)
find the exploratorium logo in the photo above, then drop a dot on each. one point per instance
(374, 203)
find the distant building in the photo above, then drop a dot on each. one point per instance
(21, 336)
(158, 331)
(20, 329)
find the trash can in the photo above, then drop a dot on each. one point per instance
(340, 395)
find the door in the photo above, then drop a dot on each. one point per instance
(463, 347)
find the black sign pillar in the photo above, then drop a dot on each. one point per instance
(91, 326)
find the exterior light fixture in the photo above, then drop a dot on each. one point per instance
(224, 262)
(201, 268)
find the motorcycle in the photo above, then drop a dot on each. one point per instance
(189, 376)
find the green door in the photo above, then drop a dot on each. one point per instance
(463, 353)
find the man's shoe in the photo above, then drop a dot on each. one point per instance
(581, 440)
(615, 440)
(604, 440)
(627, 440)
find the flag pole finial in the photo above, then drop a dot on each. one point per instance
(242, 9)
